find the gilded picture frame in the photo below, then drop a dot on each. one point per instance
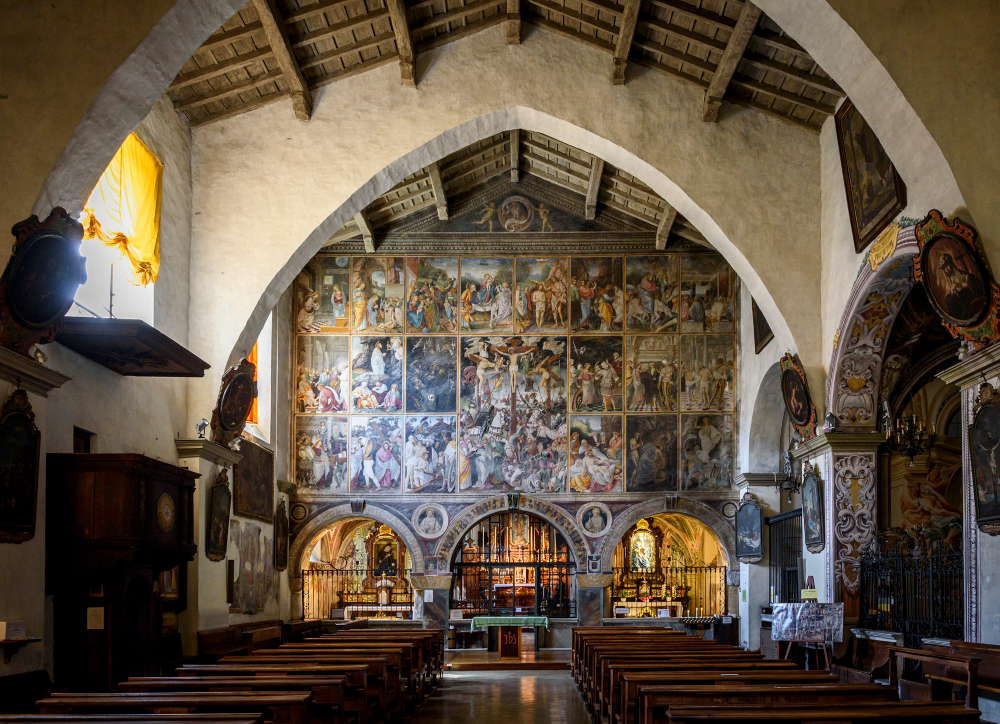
(749, 531)
(813, 522)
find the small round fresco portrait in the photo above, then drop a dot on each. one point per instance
(299, 513)
(594, 519)
(956, 280)
(430, 521)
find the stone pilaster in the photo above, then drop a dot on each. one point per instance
(754, 589)
(435, 606)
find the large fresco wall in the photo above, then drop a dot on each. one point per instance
(423, 380)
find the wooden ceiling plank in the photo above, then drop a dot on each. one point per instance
(515, 155)
(404, 43)
(775, 92)
(780, 42)
(720, 22)
(634, 213)
(352, 70)
(229, 90)
(820, 83)
(310, 11)
(672, 72)
(437, 186)
(465, 31)
(666, 224)
(690, 235)
(593, 187)
(570, 33)
(612, 192)
(220, 40)
(572, 160)
(456, 14)
(274, 29)
(737, 45)
(541, 160)
(500, 157)
(333, 29)
(237, 110)
(682, 33)
(650, 45)
(553, 179)
(345, 50)
(367, 232)
(602, 5)
(767, 110)
(618, 177)
(589, 20)
(212, 71)
(623, 44)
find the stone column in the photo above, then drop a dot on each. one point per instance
(754, 590)
(435, 606)
(206, 580)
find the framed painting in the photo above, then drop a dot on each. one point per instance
(431, 295)
(376, 454)
(322, 295)
(795, 393)
(707, 452)
(253, 483)
(430, 454)
(813, 523)
(875, 192)
(596, 297)
(984, 445)
(749, 530)
(762, 333)
(237, 393)
(541, 298)
(595, 374)
(217, 535)
(487, 296)
(956, 279)
(20, 443)
(651, 372)
(651, 465)
(431, 374)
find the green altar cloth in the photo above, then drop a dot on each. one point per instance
(510, 621)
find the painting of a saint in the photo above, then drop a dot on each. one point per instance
(520, 530)
(596, 297)
(376, 454)
(432, 295)
(956, 281)
(984, 444)
(430, 455)
(651, 373)
(812, 513)
(595, 521)
(430, 521)
(706, 452)
(431, 374)
(651, 464)
(322, 291)
(651, 293)
(749, 532)
(377, 292)
(513, 414)
(377, 374)
(642, 549)
(487, 294)
(321, 453)
(796, 399)
(541, 299)
(595, 374)
(323, 374)
(708, 288)
(596, 454)
(708, 365)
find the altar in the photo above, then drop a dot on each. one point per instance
(508, 644)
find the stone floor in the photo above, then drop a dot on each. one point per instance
(504, 697)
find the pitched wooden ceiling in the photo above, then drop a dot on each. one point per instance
(283, 49)
(595, 187)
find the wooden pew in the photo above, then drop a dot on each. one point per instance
(629, 683)
(229, 640)
(403, 659)
(135, 718)
(948, 668)
(883, 713)
(301, 630)
(431, 641)
(592, 650)
(285, 707)
(262, 638)
(356, 678)
(653, 701)
(581, 636)
(942, 680)
(328, 692)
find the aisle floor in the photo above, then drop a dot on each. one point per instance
(504, 697)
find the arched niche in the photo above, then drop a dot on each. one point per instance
(767, 424)
(624, 521)
(452, 537)
(302, 543)
(859, 344)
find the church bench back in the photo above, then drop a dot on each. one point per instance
(887, 713)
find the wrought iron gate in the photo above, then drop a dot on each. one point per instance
(784, 541)
(914, 588)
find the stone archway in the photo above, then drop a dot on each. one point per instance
(555, 515)
(300, 547)
(716, 522)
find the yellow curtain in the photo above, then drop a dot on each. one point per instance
(124, 209)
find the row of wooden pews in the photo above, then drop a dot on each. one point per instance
(658, 676)
(353, 676)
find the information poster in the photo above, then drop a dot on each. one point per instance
(809, 621)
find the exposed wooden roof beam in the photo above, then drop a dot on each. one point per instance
(784, 95)
(241, 109)
(345, 50)
(666, 224)
(581, 178)
(515, 155)
(437, 186)
(721, 22)
(496, 155)
(541, 173)
(230, 90)
(570, 33)
(513, 22)
(404, 43)
(653, 207)
(331, 30)
(672, 72)
(596, 171)
(781, 42)
(230, 36)
(589, 20)
(367, 233)
(681, 33)
(212, 71)
(811, 79)
(352, 70)
(274, 29)
(737, 45)
(634, 213)
(534, 145)
(464, 31)
(767, 110)
(623, 44)
(647, 44)
(456, 14)
(309, 11)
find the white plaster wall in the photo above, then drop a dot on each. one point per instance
(751, 370)
(264, 182)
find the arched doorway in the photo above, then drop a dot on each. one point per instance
(668, 564)
(357, 568)
(513, 564)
